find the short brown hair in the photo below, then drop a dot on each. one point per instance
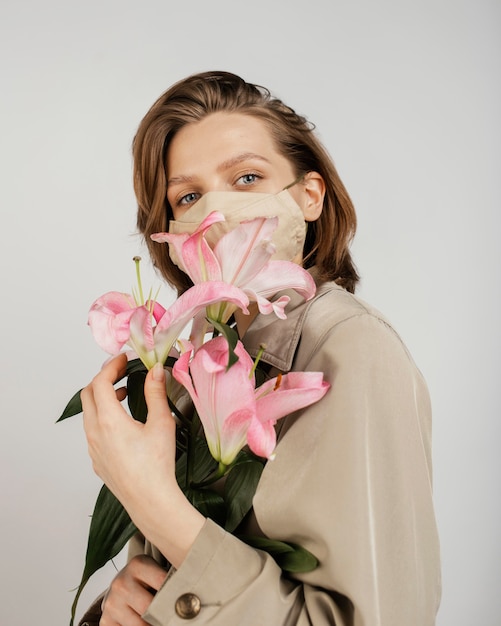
(193, 98)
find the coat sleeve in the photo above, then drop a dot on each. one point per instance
(351, 482)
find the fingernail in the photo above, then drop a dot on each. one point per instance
(158, 372)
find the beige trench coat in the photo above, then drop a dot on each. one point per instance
(351, 482)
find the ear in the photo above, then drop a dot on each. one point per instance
(314, 188)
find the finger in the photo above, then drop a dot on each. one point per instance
(87, 398)
(102, 384)
(88, 406)
(123, 615)
(130, 593)
(148, 572)
(117, 357)
(155, 393)
(88, 395)
(126, 603)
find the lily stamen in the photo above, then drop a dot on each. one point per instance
(278, 383)
(137, 261)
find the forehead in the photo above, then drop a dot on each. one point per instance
(218, 137)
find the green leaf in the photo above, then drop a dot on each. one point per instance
(135, 365)
(204, 464)
(74, 407)
(260, 376)
(239, 490)
(170, 361)
(209, 503)
(135, 395)
(291, 557)
(232, 339)
(110, 529)
(183, 419)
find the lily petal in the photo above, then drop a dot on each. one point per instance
(199, 260)
(234, 431)
(187, 306)
(280, 275)
(266, 306)
(262, 438)
(141, 335)
(109, 320)
(245, 250)
(192, 250)
(296, 390)
(224, 398)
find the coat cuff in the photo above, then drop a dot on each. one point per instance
(201, 586)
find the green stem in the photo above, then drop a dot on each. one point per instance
(221, 470)
(182, 419)
(190, 460)
(75, 601)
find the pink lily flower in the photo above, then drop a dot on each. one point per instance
(233, 413)
(240, 257)
(117, 319)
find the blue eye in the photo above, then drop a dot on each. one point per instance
(189, 198)
(248, 179)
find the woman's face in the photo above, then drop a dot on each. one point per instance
(226, 152)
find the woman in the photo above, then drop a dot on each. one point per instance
(351, 481)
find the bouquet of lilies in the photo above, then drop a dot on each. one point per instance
(229, 427)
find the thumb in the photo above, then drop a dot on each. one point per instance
(155, 394)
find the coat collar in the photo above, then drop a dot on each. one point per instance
(281, 337)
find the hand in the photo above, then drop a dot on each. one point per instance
(137, 461)
(120, 446)
(131, 592)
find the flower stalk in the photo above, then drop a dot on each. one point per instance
(221, 471)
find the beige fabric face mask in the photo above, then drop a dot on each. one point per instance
(237, 207)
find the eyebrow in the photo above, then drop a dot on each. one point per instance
(225, 165)
(239, 158)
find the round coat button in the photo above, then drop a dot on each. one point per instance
(188, 606)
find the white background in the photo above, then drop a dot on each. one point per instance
(406, 96)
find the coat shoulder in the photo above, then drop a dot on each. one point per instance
(336, 317)
(332, 306)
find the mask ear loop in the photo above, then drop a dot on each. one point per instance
(299, 179)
